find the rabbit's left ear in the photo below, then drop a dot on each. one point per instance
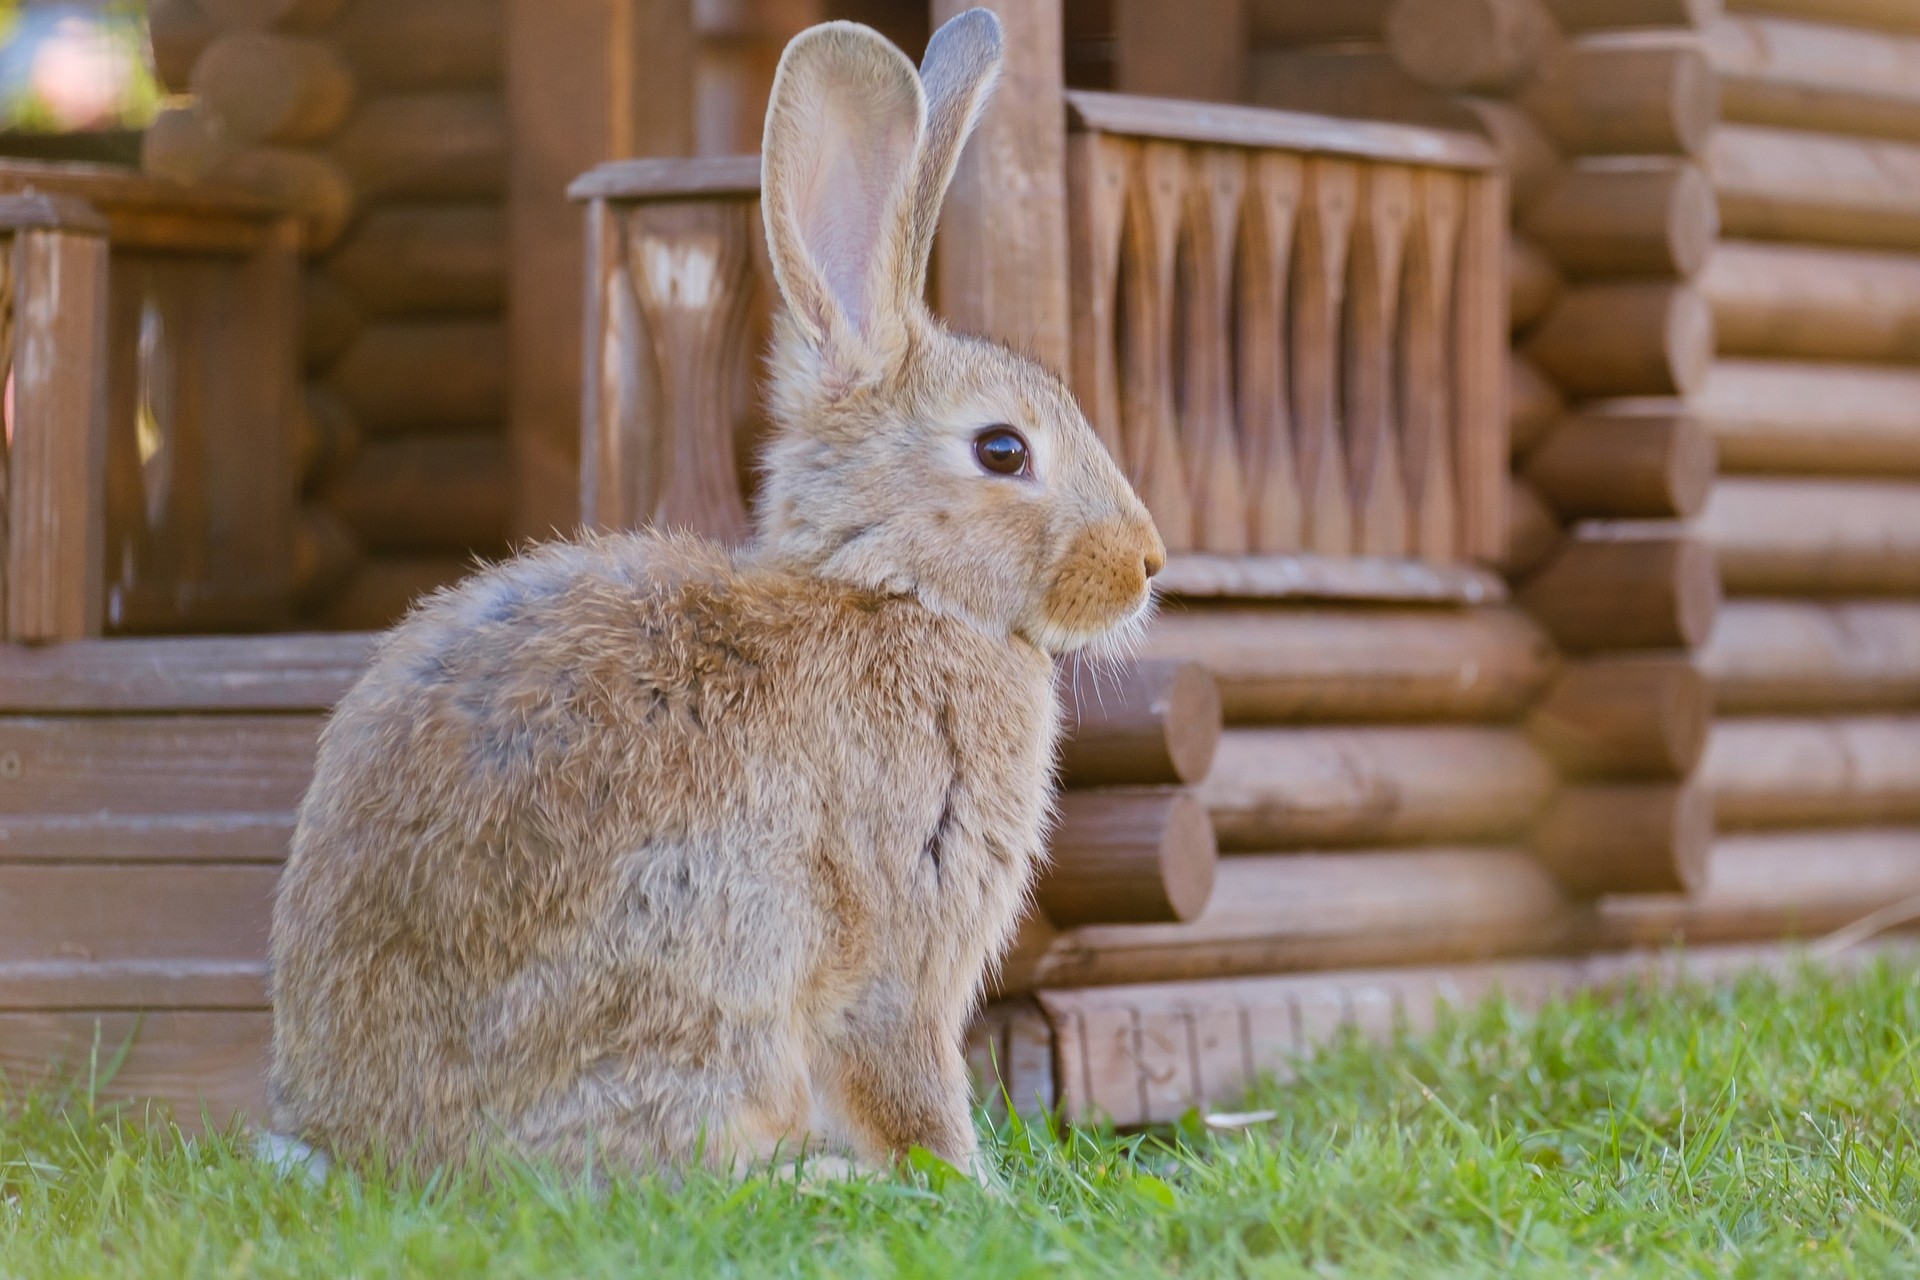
(961, 64)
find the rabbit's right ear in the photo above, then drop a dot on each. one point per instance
(838, 170)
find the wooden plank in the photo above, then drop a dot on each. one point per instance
(98, 936)
(209, 1068)
(669, 177)
(1236, 126)
(1318, 305)
(144, 837)
(1784, 656)
(586, 81)
(1780, 536)
(126, 766)
(1307, 576)
(1001, 256)
(56, 509)
(1274, 183)
(201, 673)
(1354, 664)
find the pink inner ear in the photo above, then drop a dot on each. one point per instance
(844, 196)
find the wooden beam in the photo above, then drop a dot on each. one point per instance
(587, 81)
(1001, 256)
(1779, 656)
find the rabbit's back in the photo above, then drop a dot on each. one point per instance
(607, 833)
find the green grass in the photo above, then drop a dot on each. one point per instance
(1762, 1129)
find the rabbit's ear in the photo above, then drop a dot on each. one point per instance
(959, 69)
(837, 182)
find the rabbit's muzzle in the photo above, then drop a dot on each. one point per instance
(1102, 580)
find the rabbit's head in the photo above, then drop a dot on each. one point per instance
(907, 458)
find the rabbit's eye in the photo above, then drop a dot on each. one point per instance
(1001, 450)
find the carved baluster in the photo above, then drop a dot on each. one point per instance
(1426, 403)
(1097, 168)
(1319, 283)
(1479, 358)
(1216, 190)
(1154, 458)
(1266, 430)
(691, 266)
(1373, 306)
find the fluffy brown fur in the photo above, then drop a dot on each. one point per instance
(635, 850)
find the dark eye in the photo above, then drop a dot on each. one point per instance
(1001, 450)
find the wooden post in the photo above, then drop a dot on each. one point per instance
(1001, 258)
(587, 81)
(55, 467)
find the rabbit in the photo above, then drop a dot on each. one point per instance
(638, 852)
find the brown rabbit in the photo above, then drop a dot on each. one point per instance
(639, 851)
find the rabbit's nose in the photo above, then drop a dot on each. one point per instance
(1154, 561)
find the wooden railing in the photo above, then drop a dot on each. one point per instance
(1290, 331)
(150, 365)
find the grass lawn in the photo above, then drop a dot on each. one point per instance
(1766, 1129)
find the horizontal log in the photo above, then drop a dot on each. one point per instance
(1813, 302)
(1792, 417)
(1782, 656)
(128, 765)
(1880, 15)
(1781, 536)
(1597, 96)
(383, 588)
(263, 87)
(1625, 463)
(409, 46)
(1271, 913)
(1274, 789)
(1290, 22)
(1482, 46)
(1147, 724)
(325, 552)
(184, 146)
(412, 260)
(1527, 156)
(1128, 856)
(434, 493)
(1533, 530)
(1802, 75)
(1613, 15)
(1328, 578)
(1533, 403)
(258, 15)
(326, 435)
(1533, 281)
(177, 30)
(208, 1068)
(330, 319)
(1775, 885)
(180, 144)
(424, 374)
(1642, 716)
(426, 146)
(181, 674)
(1626, 589)
(1777, 772)
(1650, 217)
(1629, 338)
(1785, 184)
(1627, 837)
(1335, 664)
(90, 936)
